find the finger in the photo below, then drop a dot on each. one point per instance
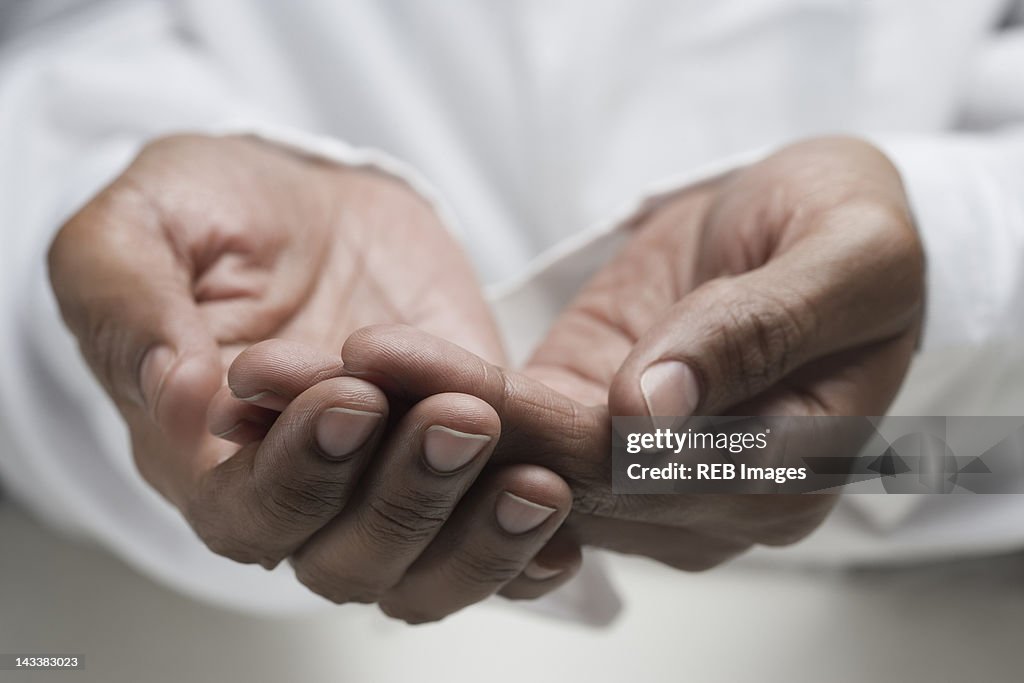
(273, 372)
(539, 425)
(266, 500)
(859, 381)
(732, 338)
(126, 294)
(556, 563)
(432, 457)
(262, 380)
(238, 421)
(490, 540)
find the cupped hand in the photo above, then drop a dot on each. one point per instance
(791, 287)
(207, 245)
(418, 522)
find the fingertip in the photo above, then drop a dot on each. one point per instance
(368, 353)
(408, 362)
(559, 559)
(350, 393)
(341, 416)
(237, 421)
(270, 373)
(553, 566)
(251, 360)
(369, 342)
(661, 386)
(538, 486)
(461, 413)
(457, 429)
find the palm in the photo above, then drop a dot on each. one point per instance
(274, 245)
(589, 341)
(686, 243)
(314, 263)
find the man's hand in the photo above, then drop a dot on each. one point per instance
(205, 246)
(792, 287)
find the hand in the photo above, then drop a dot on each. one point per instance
(422, 529)
(792, 287)
(204, 246)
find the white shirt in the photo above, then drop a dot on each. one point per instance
(537, 125)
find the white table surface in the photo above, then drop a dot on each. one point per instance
(955, 622)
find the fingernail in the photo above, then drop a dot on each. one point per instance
(670, 389)
(265, 399)
(447, 450)
(340, 431)
(539, 572)
(155, 364)
(517, 515)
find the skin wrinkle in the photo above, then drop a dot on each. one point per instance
(324, 581)
(350, 279)
(131, 188)
(482, 568)
(276, 368)
(406, 520)
(595, 377)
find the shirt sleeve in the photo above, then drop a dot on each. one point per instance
(965, 192)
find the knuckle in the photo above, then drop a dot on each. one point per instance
(889, 252)
(292, 504)
(599, 501)
(595, 502)
(406, 517)
(230, 532)
(334, 582)
(759, 335)
(903, 252)
(483, 567)
(411, 614)
(696, 564)
(224, 541)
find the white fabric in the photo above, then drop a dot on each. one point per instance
(534, 120)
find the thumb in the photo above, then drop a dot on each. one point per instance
(735, 337)
(125, 292)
